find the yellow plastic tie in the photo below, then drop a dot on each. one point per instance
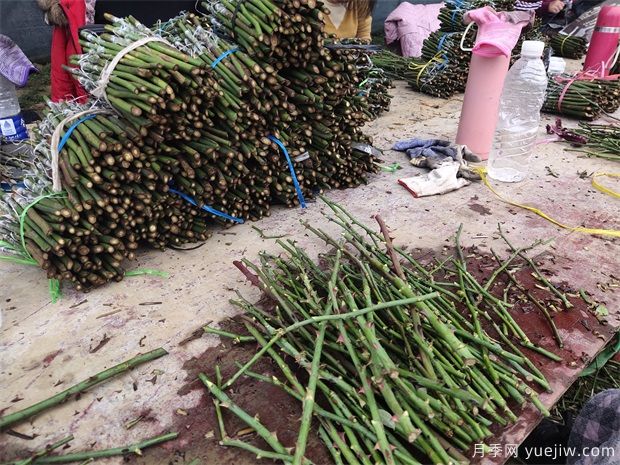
(603, 189)
(414, 66)
(602, 232)
(562, 45)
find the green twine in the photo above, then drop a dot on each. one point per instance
(147, 271)
(54, 284)
(22, 217)
(55, 292)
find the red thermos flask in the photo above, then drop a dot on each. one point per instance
(603, 49)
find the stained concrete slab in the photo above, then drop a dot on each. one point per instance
(45, 347)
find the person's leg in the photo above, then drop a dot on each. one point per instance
(595, 438)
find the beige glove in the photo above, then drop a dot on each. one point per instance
(439, 181)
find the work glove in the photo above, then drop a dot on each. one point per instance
(432, 153)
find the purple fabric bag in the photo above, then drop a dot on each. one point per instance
(14, 65)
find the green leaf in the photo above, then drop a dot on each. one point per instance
(599, 362)
(601, 310)
(387, 419)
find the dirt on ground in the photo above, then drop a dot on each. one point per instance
(34, 94)
(198, 427)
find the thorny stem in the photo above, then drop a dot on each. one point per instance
(551, 287)
(63, 396)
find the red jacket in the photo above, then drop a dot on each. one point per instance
(65, 42)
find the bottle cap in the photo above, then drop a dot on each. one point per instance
(533, 48)
(557, 65)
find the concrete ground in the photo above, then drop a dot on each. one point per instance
(45, 347)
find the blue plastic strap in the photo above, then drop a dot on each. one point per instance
(454, 13)
(457, 8)
(7, 187)
(65, 138)
(207, 208)
(300, 194)
(441, 41)
(222, 56)
(444, 63)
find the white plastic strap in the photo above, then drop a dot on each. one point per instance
(104, 79)
(304, 156)
(469, 26)
(615, 58)
(56, 184)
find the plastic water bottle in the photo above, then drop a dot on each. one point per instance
(519, 115)
(557, 66)
(12, 126)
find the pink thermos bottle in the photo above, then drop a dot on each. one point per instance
(497, 36)
(604, 44)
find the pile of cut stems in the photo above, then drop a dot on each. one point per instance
(194, 123)
(432, 77)
(114, 197)
(451, 14)
(443, 68)
(287, 33)
(581, 98)
(569, 46)
(395, 364)
(603, 140)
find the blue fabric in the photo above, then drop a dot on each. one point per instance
(426, 148)
(300, 194)
(403, 145)
(207, 208)
(222, 56)
(65, 138)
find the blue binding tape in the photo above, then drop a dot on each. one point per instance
(442, 40)
(65, 138)
(456, 10)
(300, 194)
(444, 63)
(206, 208)
(454, 13)
(8, 187)
(222, 56)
